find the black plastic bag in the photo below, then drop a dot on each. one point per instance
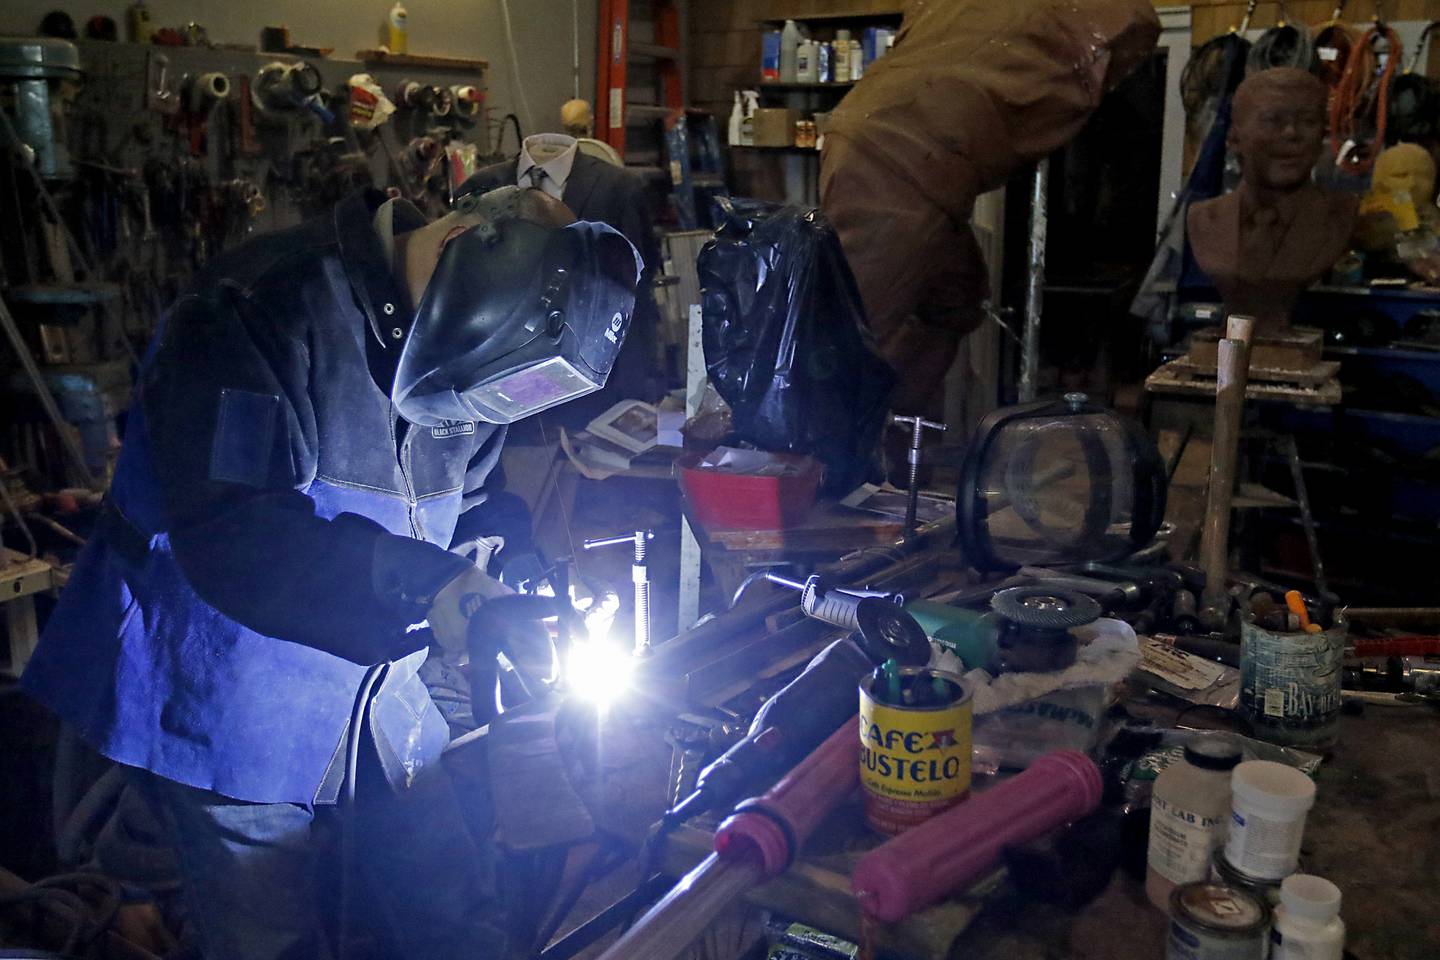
(786, 342)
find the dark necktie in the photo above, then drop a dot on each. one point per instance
(537, 177)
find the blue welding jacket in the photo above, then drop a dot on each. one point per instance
(273, 530)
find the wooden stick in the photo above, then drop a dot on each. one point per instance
(1240, 327)
(1231, 374)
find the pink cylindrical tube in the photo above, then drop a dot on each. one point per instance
(948, 853)
(775, 825)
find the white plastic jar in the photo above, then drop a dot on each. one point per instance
(1307, 921)
(1268, 804)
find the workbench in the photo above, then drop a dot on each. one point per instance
(1374, 831)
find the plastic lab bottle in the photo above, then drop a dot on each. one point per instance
(1189, 809)
(1307, 921)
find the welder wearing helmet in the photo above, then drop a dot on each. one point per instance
(304, 467)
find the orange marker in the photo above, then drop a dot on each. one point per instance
(1297, 607)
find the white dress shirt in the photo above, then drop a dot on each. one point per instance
(554, 153)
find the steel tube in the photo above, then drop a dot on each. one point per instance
(1035, 284)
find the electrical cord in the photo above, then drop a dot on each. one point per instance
(87, 922)
(1359, 93)
(515, 65)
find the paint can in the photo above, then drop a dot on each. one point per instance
(914, 756)
(1211, 921)
(1290, 683)
(1221, 871)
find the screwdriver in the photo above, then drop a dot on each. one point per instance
(1296, 603)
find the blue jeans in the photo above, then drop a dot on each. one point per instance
(262, 878)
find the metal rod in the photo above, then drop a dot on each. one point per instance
(640, 573)
(683, 914)
(1307, 519)
(1035, 284)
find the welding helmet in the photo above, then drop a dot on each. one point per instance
(518, 317)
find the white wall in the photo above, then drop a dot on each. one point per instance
(461, 28)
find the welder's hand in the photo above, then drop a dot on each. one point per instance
(457, 602)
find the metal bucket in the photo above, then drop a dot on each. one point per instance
(914, 760)
(1290, 683)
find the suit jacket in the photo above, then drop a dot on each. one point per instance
(604, 193)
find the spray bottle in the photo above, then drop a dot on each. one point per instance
(747, 123)
(737, 121)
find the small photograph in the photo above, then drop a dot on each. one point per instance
(632, 424)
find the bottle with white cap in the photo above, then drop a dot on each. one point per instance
(1189, 810)
(1307, 921)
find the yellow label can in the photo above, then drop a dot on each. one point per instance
(914, 760)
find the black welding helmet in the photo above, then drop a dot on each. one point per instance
(518, 317)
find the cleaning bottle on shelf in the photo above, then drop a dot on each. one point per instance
(789, 51)
(399, 29)
(751, 99)
(737, 121)
(842, 56)
(807, 62)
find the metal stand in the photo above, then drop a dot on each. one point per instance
(640, 574)
(918, 426)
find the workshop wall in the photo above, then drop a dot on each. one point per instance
(1210, 18)
(458, 28)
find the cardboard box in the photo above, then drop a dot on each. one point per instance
(775, 127)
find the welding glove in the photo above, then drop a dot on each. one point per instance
(456, 603)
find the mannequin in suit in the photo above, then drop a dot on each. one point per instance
(600, 192)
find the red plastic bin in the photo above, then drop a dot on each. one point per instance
(721, 500)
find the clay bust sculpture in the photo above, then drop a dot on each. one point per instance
(1277, 232)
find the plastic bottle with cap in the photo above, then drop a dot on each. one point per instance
(1189, 809)
(789, 47)
(1307, 921)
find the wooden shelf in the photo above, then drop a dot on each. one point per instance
(810, 150)
(386, 59)
(858, 16)
(782, 87)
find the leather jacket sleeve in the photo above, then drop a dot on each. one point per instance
(226, 399)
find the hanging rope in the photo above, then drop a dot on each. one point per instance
(1360, 94)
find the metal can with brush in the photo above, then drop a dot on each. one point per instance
(915, 741)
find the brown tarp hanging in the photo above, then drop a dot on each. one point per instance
(972, 91)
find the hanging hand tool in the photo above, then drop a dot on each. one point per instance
(918, 425)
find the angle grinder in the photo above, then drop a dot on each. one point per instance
(1037, 624)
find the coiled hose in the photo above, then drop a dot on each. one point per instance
(1359, 94)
